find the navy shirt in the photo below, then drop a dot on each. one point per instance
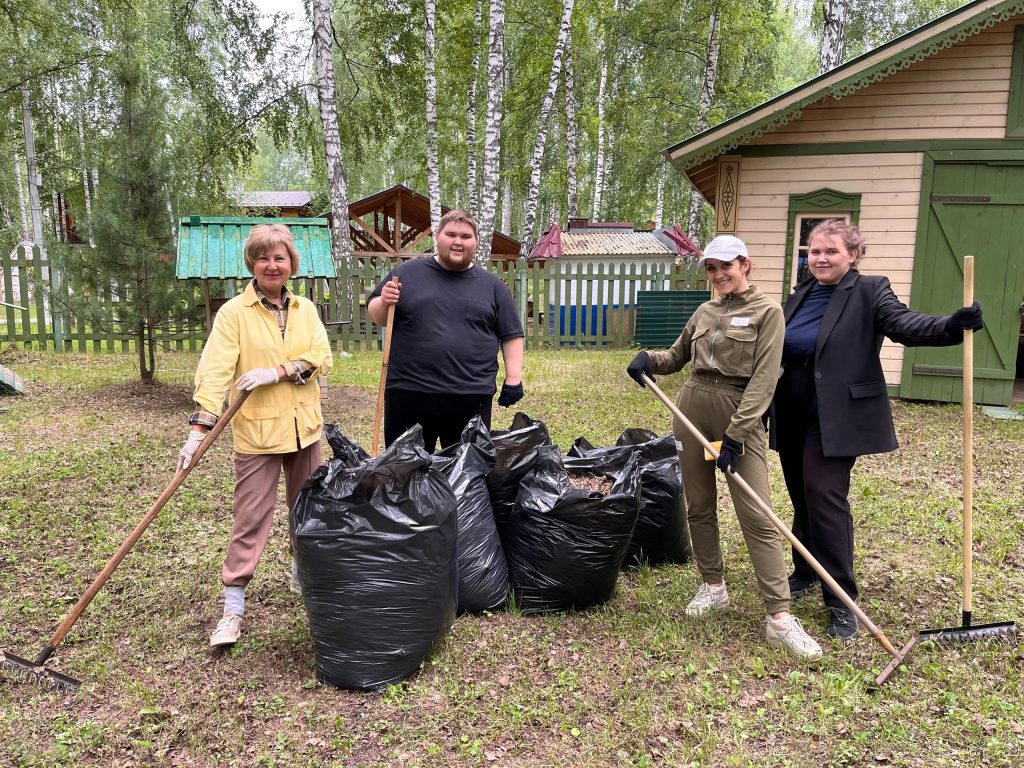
(447, 329)
(802, 328)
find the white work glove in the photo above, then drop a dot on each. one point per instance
(257, 377)
(195, 437)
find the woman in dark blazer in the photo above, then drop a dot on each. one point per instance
(831, 403)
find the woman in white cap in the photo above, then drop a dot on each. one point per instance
(734, 346)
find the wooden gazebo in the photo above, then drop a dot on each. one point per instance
(396, 221)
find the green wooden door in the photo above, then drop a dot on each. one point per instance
(976, 209)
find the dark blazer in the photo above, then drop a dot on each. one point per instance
(853, 404)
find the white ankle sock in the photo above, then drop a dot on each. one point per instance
(234, 600)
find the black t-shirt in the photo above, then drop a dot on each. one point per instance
(447, 329)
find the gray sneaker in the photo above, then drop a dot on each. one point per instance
(792, 637)
(706, 600)
(228, 630)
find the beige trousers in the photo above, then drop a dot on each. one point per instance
(256, 479)
(709, 407)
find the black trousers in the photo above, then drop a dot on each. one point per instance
(818, 485)
(442, 416)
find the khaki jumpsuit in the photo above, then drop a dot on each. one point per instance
(734, 347)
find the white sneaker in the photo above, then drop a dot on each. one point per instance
(228, 630)
(708, 599)
(792, 637)
(294, 585)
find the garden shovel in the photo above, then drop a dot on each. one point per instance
(967, 632)
(35, 672)
(766, 510)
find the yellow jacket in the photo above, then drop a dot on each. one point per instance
(245, 335)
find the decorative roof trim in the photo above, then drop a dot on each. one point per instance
(857, 81)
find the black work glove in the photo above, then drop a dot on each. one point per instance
(641, 364)
(965, 319)
(510, 394)
(729, 454)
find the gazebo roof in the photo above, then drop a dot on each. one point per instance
(413, 211)
(210, 247)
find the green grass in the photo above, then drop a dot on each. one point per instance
(632, 683)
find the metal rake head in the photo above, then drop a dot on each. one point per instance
(1004, 631)
(27, 672)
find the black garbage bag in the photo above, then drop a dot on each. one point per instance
(662, 534)
(375, 546)
(515, 453)
(483, 574)
(349, 453)
(565, 545)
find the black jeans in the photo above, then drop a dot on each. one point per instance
(441, 416)
(818, 485)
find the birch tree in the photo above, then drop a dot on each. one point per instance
(572, 136)
(433, 174)
(474, 69)
(341, 242)
(832, 33)
(492, 137)
(599, 163)
(707, 94)
(533, 190)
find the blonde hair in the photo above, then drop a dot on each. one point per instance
(460, 216)
(264, 237)
(846, 232)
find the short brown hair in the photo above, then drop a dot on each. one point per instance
(459, 216)
(264, 237)
(846, 232)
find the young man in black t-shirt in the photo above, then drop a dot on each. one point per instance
(451, 321)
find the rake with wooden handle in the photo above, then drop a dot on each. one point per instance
(766, 510)
(35, 672)
(968, 632)
(378, 414)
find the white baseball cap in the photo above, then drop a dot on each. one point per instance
(724, 248)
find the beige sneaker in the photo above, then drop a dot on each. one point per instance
(791, 636)
(707, 599)
(294, 585)
(228, 630)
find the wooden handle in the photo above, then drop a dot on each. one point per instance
(125, 548)
(378, 415)
(767, 512)
(968, 478)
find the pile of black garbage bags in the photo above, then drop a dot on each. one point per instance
(390, 549)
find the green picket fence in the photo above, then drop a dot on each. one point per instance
(560, 304)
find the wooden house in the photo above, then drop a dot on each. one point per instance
(611, 257)
(919, 142)
(278, 204)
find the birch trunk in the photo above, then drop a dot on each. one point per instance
(492, 130)
(86, 195)
(833, 34)
(341, 242)
(472, 202)
(572, 136)
(599, 163)
(506, 204)
(659, 207)
(533, 191)
(433, 174)
(707, 95)
(26, 237)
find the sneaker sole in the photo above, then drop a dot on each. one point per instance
(696, 614)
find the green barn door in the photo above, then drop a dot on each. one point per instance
(977, 209)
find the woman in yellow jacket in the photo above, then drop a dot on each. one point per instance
(271, 342)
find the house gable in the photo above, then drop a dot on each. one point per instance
(697, 156)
